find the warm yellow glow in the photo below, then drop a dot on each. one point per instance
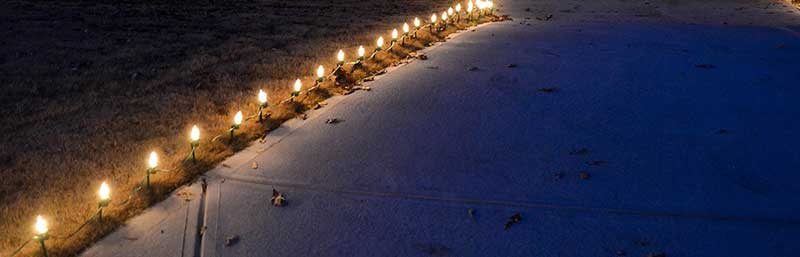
(195, 134)
(340, 55)
(237, 119)
(379, 42)
(405, 27)
(41, 225)
(262, 96)
(489, 4)
(297, 85)
(444, 16)
(458, 7)
(433, 18)
(394, 34)
(153, 161)
(469, 6)
(320, 71)
(450, 11)
(360, 51)
(105, 191)
(416, 22)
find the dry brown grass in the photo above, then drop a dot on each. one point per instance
(89, 89)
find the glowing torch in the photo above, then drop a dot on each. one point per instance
(262, 103)
(194, 136)
(297, 86)
(105, 195)
(41, 233)
(417, 23)
(405, 33)
(444, 20)
(433, 22)
(237, 123)
(152, 164)
(458, 12)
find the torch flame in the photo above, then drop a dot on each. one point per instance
(195, 134)
(41, 225)
(153, 161)
(405, 27)
(262, 96)
(237, 119)
(444, 16)
(394, 34)
(105, 191)
(360, 51)
(450, 11)
(458, 7)
(379, 42)
(433, 18)
(340, 56)
(416, 22)
(320, 71)
(297, 85)
(469, 6)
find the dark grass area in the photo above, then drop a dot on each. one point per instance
(91, 87)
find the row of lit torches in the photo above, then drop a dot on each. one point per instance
(478, 8)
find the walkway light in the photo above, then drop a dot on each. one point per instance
(152, 163)
(416, 26)
(469, 9)
(433, 22)
(458, 12)
(444, 20)
(450, 11)
(405, 32)
(41, 233)
(262, 100)
(360, 53)
(297, 86)
(379, 44)
(194, 135)
(394, 38)
(320, 74)
(237, 123)
(340, 57)
(105, 194)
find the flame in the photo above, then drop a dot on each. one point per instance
(340, 55)
(380, 41)
(458, 7)
(360, 51)
(237, 119)
(297, 85)
(320, 71)
(41, 225)
(469, 6)
(195, 134)
(444, 16)
(105, 191)
(153, 161)
(405, 27)
(450, 11)
(416, 22)
(489, 4)
(433, 18)
(262, 96)
(394, 34)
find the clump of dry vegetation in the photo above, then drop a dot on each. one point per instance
(90, 88)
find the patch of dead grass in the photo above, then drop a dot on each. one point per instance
(86, 100)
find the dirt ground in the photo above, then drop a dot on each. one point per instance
(89, 88)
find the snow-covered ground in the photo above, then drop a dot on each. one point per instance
(684, 130)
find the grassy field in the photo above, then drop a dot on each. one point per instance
(89, 88)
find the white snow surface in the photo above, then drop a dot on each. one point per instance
(437, 156)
